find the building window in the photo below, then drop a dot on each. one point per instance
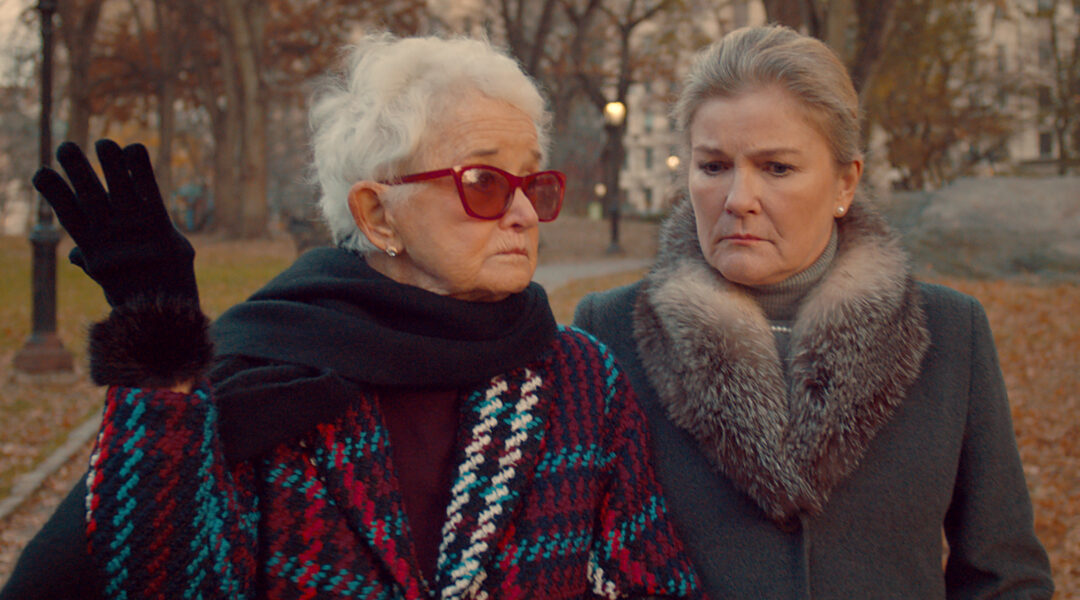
(1045, 100)
(648, 120)
(1044, 54)
(1002, 60)
(1046, 144)
(648, 199)
(1046, 5)
(648, 159)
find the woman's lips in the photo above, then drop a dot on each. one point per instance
(741, 238)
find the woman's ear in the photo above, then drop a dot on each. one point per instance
(366, 203)
(849, 176)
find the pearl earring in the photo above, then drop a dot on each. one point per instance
(840, 211)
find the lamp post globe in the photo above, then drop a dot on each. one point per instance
(614, 113)
(673, 163)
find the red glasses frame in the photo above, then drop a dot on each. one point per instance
(514, 182)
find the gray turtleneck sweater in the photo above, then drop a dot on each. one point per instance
(781, 300)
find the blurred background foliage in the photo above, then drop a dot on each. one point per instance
(218, 89)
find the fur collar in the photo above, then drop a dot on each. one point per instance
(856, 347)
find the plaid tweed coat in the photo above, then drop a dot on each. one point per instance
(553, 498)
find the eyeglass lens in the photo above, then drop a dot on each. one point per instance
(488, 193)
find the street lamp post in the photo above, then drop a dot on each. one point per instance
(614, 117)
(600, 191)
(44, 352)
(673, 163)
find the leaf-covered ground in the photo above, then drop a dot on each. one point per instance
(1037, 329)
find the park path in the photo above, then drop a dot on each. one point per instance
(552, 277)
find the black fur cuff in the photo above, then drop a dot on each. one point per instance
(151, 342)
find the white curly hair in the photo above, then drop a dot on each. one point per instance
(368, 122)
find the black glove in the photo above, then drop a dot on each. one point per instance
(125, 239)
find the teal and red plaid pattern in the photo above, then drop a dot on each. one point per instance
(160, 499)
(553, 498)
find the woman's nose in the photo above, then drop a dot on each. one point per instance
(742, 195)
(521, 212)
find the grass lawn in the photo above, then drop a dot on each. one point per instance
(35, 418)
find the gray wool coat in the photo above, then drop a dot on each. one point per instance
(839, 479)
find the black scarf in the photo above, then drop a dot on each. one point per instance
(300, 349)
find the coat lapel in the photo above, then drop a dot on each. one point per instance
(353, 459)
(501, 434)
(500, 439)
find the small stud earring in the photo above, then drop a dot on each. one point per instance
(840, 211)
(391, 252)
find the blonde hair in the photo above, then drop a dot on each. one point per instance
(754, 57)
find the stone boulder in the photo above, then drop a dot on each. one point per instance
(998, 227)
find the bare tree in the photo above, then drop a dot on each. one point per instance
(585, 53)
(528, 46)
(857, 30)
(157, 51)
(233, 62)
(933, 95)
(244, 27)
(797, 14)
(20, 107)
(77, 28)
(1064, 66)
(875, 22)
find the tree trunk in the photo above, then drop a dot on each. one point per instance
(529, 49)
(874, 29)
(78, 24)
(1063, 151)
(228, 131)
(166, 96)
(224, 127)
(244, 24)
(839, 28)
(1065, 82)
(166, 132)
(787, 12)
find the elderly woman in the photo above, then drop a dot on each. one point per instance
(819, 419)
(396, 417)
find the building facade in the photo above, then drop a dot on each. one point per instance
(1034, 43)
(1017, 42)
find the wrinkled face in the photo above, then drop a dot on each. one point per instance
(764, 186)
(445, 250)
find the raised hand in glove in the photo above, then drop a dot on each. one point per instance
(156, 335)
(125, 239)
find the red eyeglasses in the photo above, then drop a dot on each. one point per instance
(487, 192)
